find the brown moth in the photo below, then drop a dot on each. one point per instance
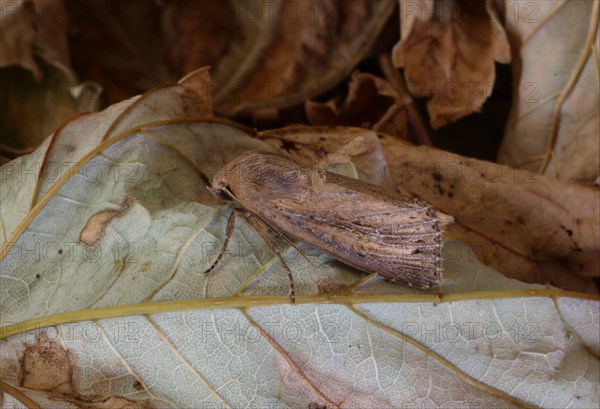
(393, 235)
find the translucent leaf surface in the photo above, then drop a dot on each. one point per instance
(554, 125)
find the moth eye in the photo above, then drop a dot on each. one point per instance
(222, 194)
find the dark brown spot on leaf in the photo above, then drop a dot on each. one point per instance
(137, 385)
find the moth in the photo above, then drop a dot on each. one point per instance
(394, 235)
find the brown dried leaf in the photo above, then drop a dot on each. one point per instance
(313, 144)
(263, 53)
(371, 103)
(514, 220)
(40, 91)
(554, 126)
(274, 53)
(18, 36)
(550, 226)
(199, 33)
(118, 44)
(450, 56)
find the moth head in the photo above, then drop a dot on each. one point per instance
(220, 189)
(220, 193)
(219, 186)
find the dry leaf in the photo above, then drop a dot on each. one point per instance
(275, 53)
(18, 36)
(514, 220)
(201, 33)
(143, 325)
(371, 103)
(319, 145)
(264, 54)
(554, 123)
(448, 52)
(39, 88)
(118, 44)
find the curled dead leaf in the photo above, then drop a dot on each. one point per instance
(539, 220)
(554, 124)
(310, 145)
(39, 88)
(527, 226)
(371, 103)
(163, 296)
(448, 52)
(273, 53)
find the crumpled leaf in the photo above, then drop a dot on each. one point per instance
(140, 321)
(522, 218)
(371, 103)
(118, 44)
(554, 123)
(448, 51)
(514, 220)
(264, 54)
(39, 89)
(294, 51)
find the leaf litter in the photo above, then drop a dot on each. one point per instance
(132, 180)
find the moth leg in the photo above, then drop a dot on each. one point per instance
(228, 233)
(260, 228)
(288, 241)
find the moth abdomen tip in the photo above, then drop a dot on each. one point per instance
(443, 219)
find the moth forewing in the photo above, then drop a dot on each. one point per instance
(395, 236)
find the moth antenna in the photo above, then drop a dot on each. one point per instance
(255, 222)
(228, 233)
